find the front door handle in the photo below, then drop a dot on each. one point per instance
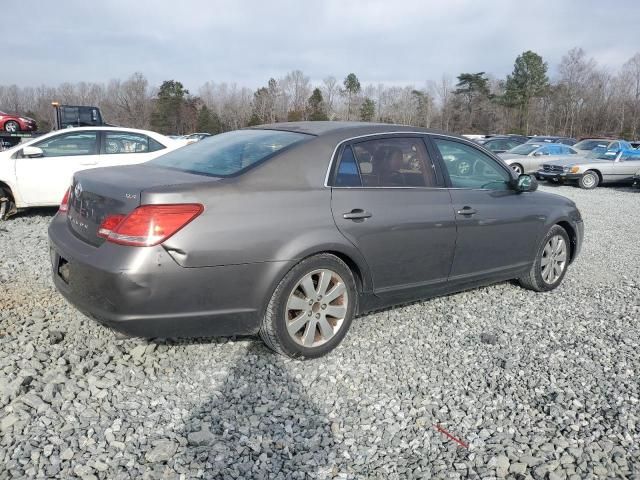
(88, 163)
(467, 211)
(356, 214)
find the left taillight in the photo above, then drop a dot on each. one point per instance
(64, 204)
(149, 225)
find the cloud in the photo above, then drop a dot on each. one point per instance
(246, 42)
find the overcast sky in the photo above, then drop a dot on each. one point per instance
(246, 42)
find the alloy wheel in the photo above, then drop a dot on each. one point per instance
(11, 126)
(554, 259)
(589, 180)
(316, 308)
(517, 168)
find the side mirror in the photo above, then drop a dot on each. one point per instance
(526, 183)
(538, 154)
(32, 152)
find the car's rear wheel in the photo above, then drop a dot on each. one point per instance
(550, 264)
(12, 126)
(589, 180)
(517, 168)
(311, 309)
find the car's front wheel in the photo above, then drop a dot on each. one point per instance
(311, 309)
(12, 126)
(550, 264)
(517, 168)
(589, 180)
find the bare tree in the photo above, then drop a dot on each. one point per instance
(330, 92)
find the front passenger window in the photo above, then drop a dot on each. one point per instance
(471, 168)
(69, 144)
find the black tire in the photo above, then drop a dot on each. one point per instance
(6, 204)
(12, 126)
(589, 180)
(273, 329)
(533, 280)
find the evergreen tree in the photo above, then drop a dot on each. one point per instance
(472, 87)
(367, 110)
(528, 80)
(167, 115)
(316, 106)
(351, 89)
(208, 121)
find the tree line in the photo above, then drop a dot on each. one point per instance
(584, 99)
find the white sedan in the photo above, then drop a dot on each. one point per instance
(38, 172)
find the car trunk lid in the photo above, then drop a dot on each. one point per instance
(99, 192)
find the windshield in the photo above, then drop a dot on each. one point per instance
(525, 148)
(590, 144)
(229, 153)
(607, 155)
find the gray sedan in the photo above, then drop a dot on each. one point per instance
(528, 157)
(611, 166)
(291, 230)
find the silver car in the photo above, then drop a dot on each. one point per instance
(528, 157)
(610, 166)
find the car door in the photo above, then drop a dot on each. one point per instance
(533, 162)
(126, 148)
(497, 226)
(43, 180)
(625, 167)
(387, 199)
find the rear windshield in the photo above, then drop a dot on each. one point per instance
(229, 153)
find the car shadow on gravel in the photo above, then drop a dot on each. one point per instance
(35, 212)
(258, 422)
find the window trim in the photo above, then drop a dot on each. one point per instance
(334, 162)
(63, 133)
(443, 167)
(103, 139)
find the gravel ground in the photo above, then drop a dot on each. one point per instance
(531, 385)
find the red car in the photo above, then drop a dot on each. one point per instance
(15, 123)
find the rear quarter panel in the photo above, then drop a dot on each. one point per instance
(278, 211)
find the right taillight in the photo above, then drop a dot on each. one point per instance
(64, 204)
(108, 224)
(149, 225)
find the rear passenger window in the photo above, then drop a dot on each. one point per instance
(348, 175)
(394, 162)
(124, 142)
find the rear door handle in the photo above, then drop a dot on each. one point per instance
(467, 211)
(356, 214)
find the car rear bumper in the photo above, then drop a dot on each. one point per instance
(144, 292)
(542, 175)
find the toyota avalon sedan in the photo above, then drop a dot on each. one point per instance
(291, 230)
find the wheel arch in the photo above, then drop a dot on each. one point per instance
(6, 187)
(573, 238)
(597, 172)
(353, 259)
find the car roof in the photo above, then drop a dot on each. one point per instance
(349, 129)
